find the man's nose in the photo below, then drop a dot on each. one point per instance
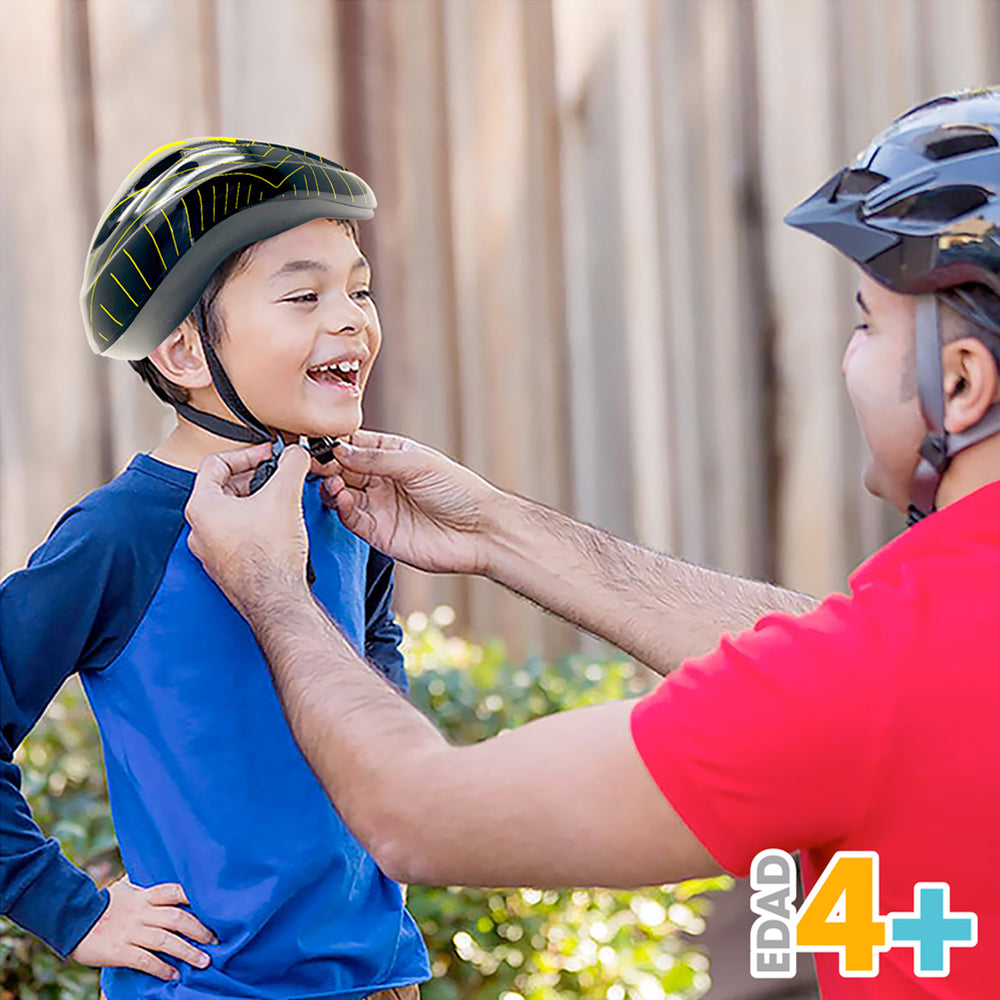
(852, 346)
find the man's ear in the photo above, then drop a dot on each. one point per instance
(971, 383)
(181, 359)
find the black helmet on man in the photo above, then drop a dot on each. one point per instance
(179, 214)
(919, 211)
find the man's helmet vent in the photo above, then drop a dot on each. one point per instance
(945, 143)
(859, 182)
(938, 205)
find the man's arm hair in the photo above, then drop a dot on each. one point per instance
(562, 801)
(657, 608)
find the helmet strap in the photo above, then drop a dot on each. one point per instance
(934, 455)
(938, 447)
(252, 431)
(218, 426)
(228, 394)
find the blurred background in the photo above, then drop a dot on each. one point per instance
(587, 294)
(585, 285)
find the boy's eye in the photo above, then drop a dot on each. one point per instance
(365, 293)
(304, 297)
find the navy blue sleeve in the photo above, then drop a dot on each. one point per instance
(67, 610)
(382, 632)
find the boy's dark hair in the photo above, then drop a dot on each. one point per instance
(205, 316)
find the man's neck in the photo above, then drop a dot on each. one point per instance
(969, 471)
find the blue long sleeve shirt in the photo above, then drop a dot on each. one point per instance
(207, 785)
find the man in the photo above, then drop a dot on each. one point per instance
(863, 725)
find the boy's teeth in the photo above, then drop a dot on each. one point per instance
(344, 366)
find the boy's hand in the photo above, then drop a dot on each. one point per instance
(140, 922)
(411, 502)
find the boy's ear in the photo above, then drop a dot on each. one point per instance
(971, 383)
(181, 359)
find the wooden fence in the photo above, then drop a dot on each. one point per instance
(585, 286)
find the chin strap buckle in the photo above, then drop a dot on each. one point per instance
(321, 448)
(934, 448)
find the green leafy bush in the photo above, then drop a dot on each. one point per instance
(62, 776)
(484, 944)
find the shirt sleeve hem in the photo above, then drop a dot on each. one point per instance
(60, 907)
(675, 790)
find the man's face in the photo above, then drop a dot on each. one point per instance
(880, 371)
(301, 304)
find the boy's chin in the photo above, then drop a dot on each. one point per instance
(339, 428)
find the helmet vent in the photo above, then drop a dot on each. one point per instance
(859, 182)
(947, 143)
(159, 168)
(941, 205)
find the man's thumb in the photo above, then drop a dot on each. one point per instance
(293, 464)
(394, 463)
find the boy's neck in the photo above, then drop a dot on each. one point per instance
(187, 444)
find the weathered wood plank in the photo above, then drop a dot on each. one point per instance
(276, 71)
(799, 152)
(50, 433)
(149, 89)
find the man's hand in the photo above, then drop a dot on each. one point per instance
(137, 924)
(248, 544)
(411, 502)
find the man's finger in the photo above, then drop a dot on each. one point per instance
(232, 463)
(374, 439)
(240, 483)
(330, 468)
(216, 472)
(394, 463)
(293, 465)
(329, 489)
(353, 516)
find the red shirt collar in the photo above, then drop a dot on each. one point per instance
(975, 517)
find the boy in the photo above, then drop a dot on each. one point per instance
(220, 264)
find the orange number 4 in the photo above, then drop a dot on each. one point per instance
(841, 914)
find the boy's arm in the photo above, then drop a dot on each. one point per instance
(383, 634)
(74, 608)
(47, 613)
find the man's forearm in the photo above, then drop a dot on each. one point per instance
(657, 608)
(362, 738)
(561, 801)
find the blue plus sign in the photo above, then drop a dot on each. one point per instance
(932, 929)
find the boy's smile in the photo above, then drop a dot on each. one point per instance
(301, 330)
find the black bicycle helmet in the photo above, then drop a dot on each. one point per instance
(178, 215)
(181, 212)
(919, 211)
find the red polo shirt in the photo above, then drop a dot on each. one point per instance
(869, 724)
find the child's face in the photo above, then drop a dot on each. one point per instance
(302, 303)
